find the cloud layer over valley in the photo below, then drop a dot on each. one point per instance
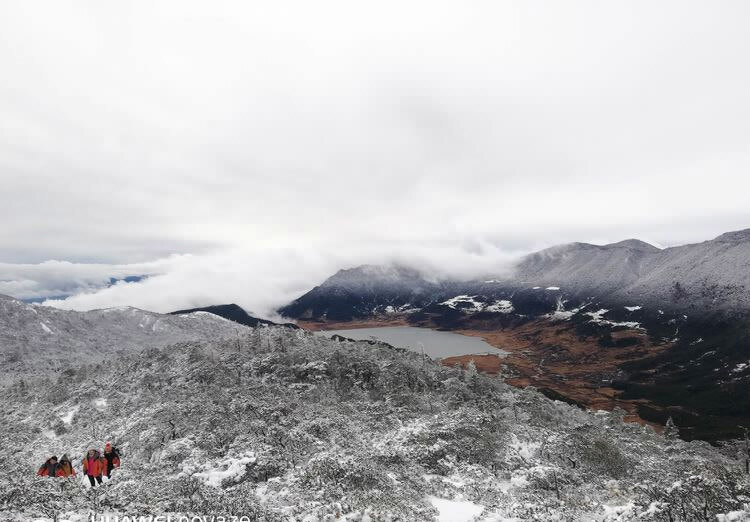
(243, 152)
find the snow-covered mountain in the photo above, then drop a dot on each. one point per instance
(282, 425)
(33, 336)
(713, 274)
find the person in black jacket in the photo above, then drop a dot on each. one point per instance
(112, 457)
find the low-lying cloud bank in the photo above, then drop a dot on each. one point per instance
(258, 280)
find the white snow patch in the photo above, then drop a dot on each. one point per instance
(560, 313)
(633, 308)
(68, 417)
(100, 403)
(455, 510)
(635, 325)
(49, 434)
(552, 288)
(502, 306)
(597, 316)
(741, 367)
(617, 513)
(742, 515)
(46, 328)
(535, 287)
(526, 449)
(229, 469)
(201, 314)
(469, 303)
(454, 302)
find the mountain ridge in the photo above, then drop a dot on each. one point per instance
(35, 337)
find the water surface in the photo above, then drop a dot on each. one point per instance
(435, 343)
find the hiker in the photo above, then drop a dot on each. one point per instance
(49, 468)
(93, 464)
(65, 468)
(111, 458)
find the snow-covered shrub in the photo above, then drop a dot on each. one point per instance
(373, 430)
(601, 453)
(333, 471)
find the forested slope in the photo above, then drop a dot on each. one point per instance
(282, 424)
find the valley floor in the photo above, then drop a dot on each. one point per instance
(546, 354)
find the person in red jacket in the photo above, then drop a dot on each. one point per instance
(111, 459)
(65, 468)
(93, 465)
(49, 468)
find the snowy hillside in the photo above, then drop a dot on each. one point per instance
(284, 425)
(38, 337)
(713, 274)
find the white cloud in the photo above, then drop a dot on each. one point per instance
(262, 280)
(62, 278)
(132, 131)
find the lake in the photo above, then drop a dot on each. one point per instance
(436, 344)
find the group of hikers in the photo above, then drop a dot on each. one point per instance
(94, 465)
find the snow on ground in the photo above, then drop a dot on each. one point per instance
(552, 288)
(404, 308)
(228, 469)
(741, 367)
(455, 510)
(633, 308)
(49, 434)
(500, 518)
(502, 306)
(100, 403)
(615, 513)
(560, 313)
(742, 515)
(469, 303)
(635, 325)
(67, 418)
(455, 302)
(46, 328)
(598, 317)
(526, 449)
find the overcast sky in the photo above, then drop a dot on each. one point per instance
(243, 151)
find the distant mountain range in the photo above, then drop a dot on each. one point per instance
(658, 331)
(711, 275)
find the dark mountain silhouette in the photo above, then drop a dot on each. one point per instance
(231, 312)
